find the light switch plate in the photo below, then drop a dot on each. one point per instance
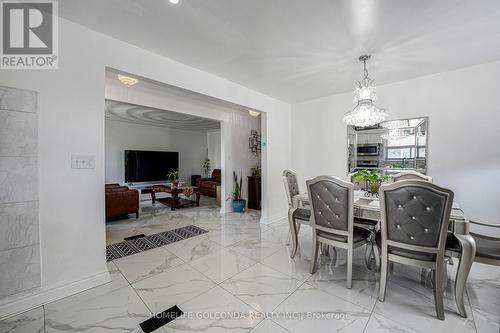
(82, 161)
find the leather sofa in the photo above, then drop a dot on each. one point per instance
(208, 186)
(120, 201)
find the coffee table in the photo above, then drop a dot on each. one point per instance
(174, 201)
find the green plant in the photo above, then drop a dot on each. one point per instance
(256, 171)
(207, 167)
(370, 176)
(237, 186)
(373, 179)
(173, 174)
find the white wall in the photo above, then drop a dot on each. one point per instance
(214, 149)
(240, 158)
(121, 136)
(71, 121)
(464, 134)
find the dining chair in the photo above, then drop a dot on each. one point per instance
(411, 174)
(296, 215)
(414, 226)
(332, 218)
(487, 247)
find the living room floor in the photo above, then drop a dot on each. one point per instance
(243, 267)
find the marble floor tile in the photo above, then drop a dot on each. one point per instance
(118, 311)
(117, 281)
(210, 313)
(378, 323)
(146, 264)
(483, 289)
(261, 287)
(172, 287)
(408, 302)
(221, 265)
(332, 278)
(268, 326)
(312, 310)
(230, 235)
(193, 248)
(298, 267)
(257, 248)
(28, 322)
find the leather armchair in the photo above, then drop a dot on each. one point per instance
(208, 186)
(120, 200)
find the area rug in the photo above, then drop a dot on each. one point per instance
(140, 244)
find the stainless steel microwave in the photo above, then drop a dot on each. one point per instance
(369, 149)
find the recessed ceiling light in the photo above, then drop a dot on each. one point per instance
(127, 80)
(175, 2)
(253, 113)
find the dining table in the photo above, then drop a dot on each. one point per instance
(367, 206)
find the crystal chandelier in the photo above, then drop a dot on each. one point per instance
(365, 113)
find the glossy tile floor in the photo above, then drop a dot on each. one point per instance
(242, 267)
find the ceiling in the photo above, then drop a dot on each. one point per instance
(137, 114)
(299, 50)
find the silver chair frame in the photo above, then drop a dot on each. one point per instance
(411, 174)
(439, 251)
(349, 245)
(292, 220)
(479, 259)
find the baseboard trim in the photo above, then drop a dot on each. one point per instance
(272, 219)
(45, 296)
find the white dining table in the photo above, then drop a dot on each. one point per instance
(368, 207)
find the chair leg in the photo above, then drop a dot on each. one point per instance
(368, 254)
(383, 275)
(314, 258)
(349, 267)
(293, 232)
(376, 254)
(334, 255)
(325, 249)
(438, 289)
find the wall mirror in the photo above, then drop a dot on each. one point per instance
(391, 146)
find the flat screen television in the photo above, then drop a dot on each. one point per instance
(149, 166)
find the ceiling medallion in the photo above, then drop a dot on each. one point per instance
(127, 80)
(365, 113)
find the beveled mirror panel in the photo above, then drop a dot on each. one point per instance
(392, 146)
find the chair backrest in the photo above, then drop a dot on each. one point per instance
(331, 201)
(415, 215)
(216, 175)
(291, 185)
(411, 174)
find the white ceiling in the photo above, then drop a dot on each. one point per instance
(138, 114)
(299, 50)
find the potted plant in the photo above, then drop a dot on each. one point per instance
(238, 203)
(206, 166)
(373, 180)
(173, 175)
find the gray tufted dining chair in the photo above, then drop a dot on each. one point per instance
(332, 219)
(487, 246)
(411, 174)
(414, 225)
(296, 215)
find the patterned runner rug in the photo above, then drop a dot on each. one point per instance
(136, 245)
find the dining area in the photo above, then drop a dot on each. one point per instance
(392, 215)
